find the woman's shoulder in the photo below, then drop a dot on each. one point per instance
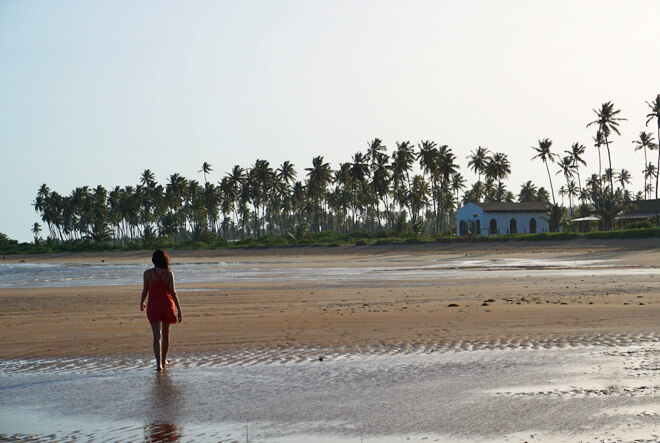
(159, 271)
(149, 274)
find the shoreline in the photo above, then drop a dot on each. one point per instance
(580, 246)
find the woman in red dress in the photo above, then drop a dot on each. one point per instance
(159, 286)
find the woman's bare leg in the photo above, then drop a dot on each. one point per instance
(166, 342)
(155, 328)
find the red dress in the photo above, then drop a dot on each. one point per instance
(160, 306)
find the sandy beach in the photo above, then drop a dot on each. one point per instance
(544, 341)
(510, 307)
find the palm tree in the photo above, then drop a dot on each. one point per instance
(419, 193)
(428, 162)
(427, 157)
(542, 195)
(212, 199)
(543, 152)
(527, 192)
(555, 216)
(478, 160)
(114, 214)
(262, 176)
(645, 142)
(342, 195)
(599, 140)
(624, 177)
(650, 172)
(445, 167)
(403, 159)
(358, 173)
(576, 152)
(42, 205)
(504, 195)
(608, 122)
(572, 191)
(318, 178)
(285, 176)
(206, 169)
(245, 193)
(457, 184)
(380, 182)
(147, 178)
(36, 229)
(374, 149)
(232, 192)
(490, 189)
(498, 167)
(655, 114)
(563, 192)
(286, 172)
(566, 167)
(193, 206)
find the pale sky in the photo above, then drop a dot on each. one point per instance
(96, 92)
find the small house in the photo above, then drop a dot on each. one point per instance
(502, 218)
(641, 210)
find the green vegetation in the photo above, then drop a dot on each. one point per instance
(625, 233)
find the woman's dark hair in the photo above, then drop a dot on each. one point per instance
(160, 259)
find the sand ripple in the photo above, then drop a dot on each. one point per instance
(290, 355)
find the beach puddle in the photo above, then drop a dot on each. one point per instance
(480, 395)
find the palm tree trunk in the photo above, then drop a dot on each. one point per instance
(579, 183)
(609, 159)
(479, 186)
(552, 191)
(646, 162)
(570, 197)
(657, 173)
(436, 204)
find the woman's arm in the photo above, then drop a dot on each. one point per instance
(145, 290)
(175, 298)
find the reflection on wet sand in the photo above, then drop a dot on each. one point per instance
(160, 432)
(515, 394)
(164, 412)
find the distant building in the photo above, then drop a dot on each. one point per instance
(641, 210)
(585, 224)
(590, 222)
(502, 218)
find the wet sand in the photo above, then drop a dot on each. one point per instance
(588, 394)
(537, 325)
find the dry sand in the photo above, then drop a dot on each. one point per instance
(503, 311)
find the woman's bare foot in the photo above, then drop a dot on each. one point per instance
(159, 369)
(166, 364)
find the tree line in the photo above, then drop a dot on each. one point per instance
(415, 188)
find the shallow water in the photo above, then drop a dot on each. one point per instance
(31, 275)
(590, 394)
